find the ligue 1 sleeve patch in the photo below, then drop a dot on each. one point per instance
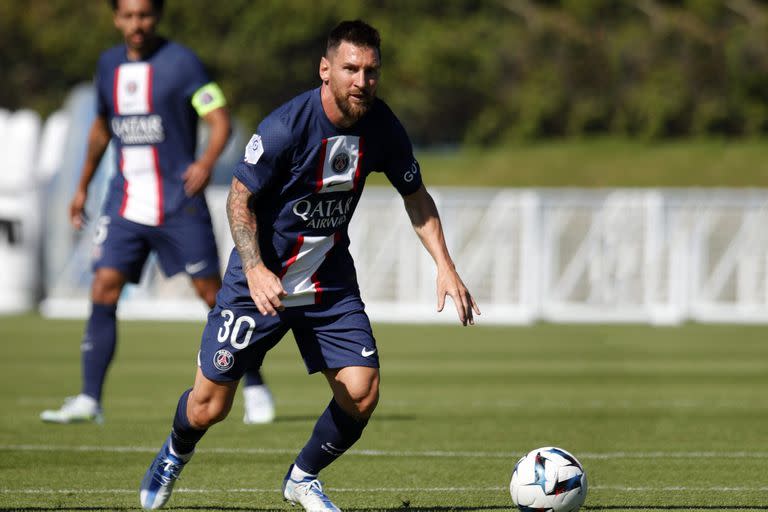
(208, 98)
(254, 150)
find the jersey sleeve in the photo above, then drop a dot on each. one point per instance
(265, 155)
(403, 169)
(195, 75)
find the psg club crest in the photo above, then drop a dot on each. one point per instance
(223, 360)
(131, 87)
(340, 162)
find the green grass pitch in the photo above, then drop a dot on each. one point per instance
(661, 418)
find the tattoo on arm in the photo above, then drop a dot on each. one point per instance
(242, 225)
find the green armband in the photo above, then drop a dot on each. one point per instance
(208, 98)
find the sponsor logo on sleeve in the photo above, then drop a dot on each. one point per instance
(254, 150)
(411, 173)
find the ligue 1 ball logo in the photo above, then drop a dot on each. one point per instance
(223, 360)
(340, 162)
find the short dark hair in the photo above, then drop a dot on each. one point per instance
(156, 4)
(356, 32)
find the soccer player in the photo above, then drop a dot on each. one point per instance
(289, 208)
(150, 93)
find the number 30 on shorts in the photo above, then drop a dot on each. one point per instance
(232, 332)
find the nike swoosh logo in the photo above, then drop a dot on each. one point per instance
(366, 352)
(194, 268)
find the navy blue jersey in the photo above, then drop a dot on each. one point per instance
(307, 176)
(147, 104)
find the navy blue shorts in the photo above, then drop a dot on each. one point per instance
(182, 244)
(328, 336)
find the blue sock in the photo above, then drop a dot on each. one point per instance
(184, 437)
(335, 432)
(253, 378)
(98, 348)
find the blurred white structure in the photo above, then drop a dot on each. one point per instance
(20, 210)
(658, 256)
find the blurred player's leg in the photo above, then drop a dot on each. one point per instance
(97, 351)
(259, 405)
(207, 288)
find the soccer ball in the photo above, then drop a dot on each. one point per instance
(548, 479)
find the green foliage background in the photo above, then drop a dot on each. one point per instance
(478, 72)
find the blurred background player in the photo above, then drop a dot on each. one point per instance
(150, 93)
(289, 208)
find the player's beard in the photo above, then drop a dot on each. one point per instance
(146, 41)
(352, 111)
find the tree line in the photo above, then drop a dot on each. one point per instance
(480, 72)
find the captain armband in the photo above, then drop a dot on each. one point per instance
(208, 98)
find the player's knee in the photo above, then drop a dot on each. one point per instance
(105, 290)
(364, 397)
(355, 389)
(202, 415)
(366, 406)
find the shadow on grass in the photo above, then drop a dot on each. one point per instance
(312, 419)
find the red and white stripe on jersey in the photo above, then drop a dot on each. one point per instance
(299, 273)
(339, 166)
(133, 89)
(143, 192)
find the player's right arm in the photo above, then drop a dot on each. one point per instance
(265, 287)
(98, 140)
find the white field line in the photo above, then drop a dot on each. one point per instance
(393, 453)
(257, 490)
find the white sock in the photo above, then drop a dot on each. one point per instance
(88, 399)
(299, 474)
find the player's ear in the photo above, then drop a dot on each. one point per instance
(325, 69)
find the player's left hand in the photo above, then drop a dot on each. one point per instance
(266, 290)
(449, 283)
(196, 178)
